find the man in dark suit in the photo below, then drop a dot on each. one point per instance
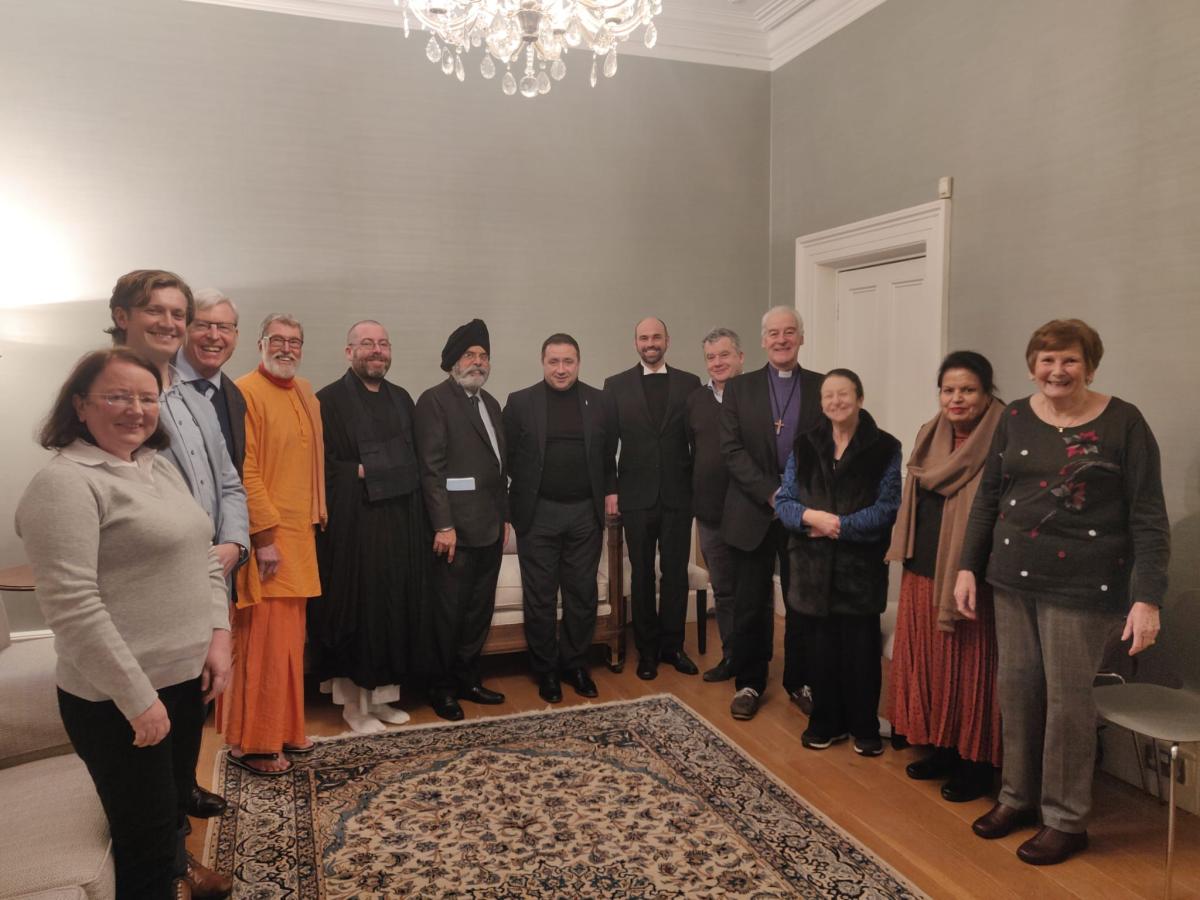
(461, 452)
(212, 338)
(647, 408)
(561, 459)
(723, 359)
(762, 413)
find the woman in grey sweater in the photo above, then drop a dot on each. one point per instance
(1070, 503)
(137, 603)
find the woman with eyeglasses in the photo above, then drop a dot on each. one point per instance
(128, 582)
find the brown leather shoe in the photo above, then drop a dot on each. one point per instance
(181, 890)
(206, 883)
(1050, 846)
(1001, 821)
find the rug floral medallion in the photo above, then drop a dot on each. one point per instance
(632, 799)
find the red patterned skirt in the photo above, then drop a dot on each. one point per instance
(942, 685)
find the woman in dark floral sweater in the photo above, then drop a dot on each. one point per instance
(1071, 499)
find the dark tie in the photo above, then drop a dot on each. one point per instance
(217, 397)
(478, 410)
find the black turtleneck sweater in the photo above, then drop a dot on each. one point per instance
(564, 469)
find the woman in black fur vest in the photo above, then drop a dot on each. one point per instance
(839, 498)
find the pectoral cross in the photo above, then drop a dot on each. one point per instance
(778, 425)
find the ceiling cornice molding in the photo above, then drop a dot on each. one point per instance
(816, 21)
(763, 39)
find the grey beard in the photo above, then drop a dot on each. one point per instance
(470, 381)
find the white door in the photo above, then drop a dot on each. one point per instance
(889, 331)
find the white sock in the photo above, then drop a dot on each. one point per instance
(389, 714)
(361, 723)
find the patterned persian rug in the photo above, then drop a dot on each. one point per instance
(633, 799)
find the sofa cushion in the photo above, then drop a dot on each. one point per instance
(53, 834)
(30, 726)
(509, 609)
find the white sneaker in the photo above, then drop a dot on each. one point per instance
(389, 714)
(360, 723)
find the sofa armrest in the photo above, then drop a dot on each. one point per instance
(30, 726)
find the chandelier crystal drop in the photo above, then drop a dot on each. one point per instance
(533, 35)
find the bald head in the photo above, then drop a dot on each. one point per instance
(651, 341)
(369, 352)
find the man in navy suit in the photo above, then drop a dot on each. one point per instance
(560, 458)
(647, 406)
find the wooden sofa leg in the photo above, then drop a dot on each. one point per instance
(702, 621)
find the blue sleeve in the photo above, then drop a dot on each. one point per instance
(875, 521)
(787, 504)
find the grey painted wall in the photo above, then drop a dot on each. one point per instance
(1072, 133)
(330, 170)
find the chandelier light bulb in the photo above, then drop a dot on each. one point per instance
(544, 29)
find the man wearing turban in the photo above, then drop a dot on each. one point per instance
(461, 453)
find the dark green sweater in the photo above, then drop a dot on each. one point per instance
(1066, 514)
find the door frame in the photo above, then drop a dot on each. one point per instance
(923, 229)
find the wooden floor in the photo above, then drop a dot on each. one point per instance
(905, 822)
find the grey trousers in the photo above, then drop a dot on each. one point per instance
(723, 576)
(1049, 655)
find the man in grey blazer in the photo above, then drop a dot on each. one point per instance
(464, 479)
(150, 311)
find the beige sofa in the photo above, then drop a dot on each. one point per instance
(53, 835)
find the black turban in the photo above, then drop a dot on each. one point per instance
(473, 334)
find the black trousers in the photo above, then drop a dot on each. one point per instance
(143, 790)
(658, 627)
(561, 551)
(843, 655)
(464, 598)
(753, 642)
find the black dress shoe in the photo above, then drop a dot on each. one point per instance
(722, 671)
(1050, 846)
(938, 764)
(647, 668)
(480, 694)
(1001, 821)
(581, 681)
(680, 661)
(446, 707)
(204, 804)
(548, 688)
(970, 781)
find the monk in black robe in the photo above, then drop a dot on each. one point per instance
(373, 554)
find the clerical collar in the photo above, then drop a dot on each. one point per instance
(286, 383)
(661, 370)
(784, 373)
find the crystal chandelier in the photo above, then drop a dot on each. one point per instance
(536, 32)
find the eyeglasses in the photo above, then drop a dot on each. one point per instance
(368, 344)
(224, 328)
(123, 401)
(275, 342)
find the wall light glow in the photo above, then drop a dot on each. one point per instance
(39, 263)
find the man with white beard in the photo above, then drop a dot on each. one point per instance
(461, 452)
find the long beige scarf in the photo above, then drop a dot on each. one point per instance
(937, 466)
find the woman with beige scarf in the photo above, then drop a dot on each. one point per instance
(942, 685)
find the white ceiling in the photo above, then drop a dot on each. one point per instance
(749, 34)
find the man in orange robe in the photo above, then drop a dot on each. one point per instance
(262, 715)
